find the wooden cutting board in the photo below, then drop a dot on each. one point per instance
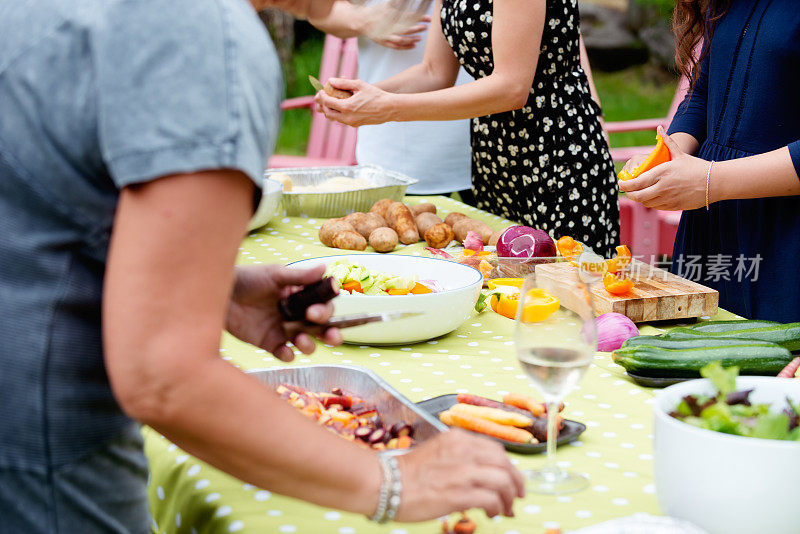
(657, 296)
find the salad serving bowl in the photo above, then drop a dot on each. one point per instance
(440, 312)
(723, 483)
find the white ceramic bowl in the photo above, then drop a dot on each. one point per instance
(727, 484)
(441, 312)
(271, 194)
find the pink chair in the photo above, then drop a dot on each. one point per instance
(626, 153)
(329, 143)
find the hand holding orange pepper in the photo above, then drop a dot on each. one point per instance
(616, 285)
(659, 155)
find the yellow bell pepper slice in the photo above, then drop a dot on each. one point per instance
(540, 304)
(513, 282)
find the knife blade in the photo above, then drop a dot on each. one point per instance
(316, 83)
(346, 321)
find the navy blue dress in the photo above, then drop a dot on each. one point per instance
(746, 102)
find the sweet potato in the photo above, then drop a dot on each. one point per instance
(454, 217)
(439, 235)
(383, 239)
(425, 220)
(401, 221)
(331, 228)
(425, 207)
(465, 225)
(349, 240)
(381, 206)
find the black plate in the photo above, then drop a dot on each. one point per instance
(569, 432)
(658, 381)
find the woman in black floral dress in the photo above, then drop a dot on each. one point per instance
(539, 155)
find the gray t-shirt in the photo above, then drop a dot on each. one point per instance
(96, 95)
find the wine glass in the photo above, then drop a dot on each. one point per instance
(555, 340)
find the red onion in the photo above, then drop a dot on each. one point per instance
(439, 252)
(525, 242)
(473, 241)
(613, 329)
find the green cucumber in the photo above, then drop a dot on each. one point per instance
(751, 358)
(730, 326)
(689, 342)
(785, 335)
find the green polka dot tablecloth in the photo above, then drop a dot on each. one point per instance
(189, 496)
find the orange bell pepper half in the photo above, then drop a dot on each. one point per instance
(569, 248)
(659, 155)
(621, 260)
(352, 286)
(616, 285)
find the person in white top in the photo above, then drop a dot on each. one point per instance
(437, 153)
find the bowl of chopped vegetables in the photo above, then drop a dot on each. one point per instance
(442, 292)
(727, 452)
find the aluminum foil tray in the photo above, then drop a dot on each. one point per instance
(387, 184)
(392, 406)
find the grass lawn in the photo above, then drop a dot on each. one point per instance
(634, 93)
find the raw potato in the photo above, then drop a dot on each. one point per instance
(495, 237)
(466, 225)
(381, 206)
(331, 228)
(425, 220)
(454, 217)
(349, 240)
(383, 239)
(425, 207)
(439, 235)
(355, 218)
(369, 223)
(336, 93)
(401, 220)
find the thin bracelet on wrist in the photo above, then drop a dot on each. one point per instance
(708, 182)
(391, 490)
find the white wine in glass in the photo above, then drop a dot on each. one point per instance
(555, 339)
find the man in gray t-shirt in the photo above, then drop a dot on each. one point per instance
(131, 133)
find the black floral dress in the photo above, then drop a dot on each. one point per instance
(547, 164)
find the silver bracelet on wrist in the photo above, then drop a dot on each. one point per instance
(391, 489)
(708, 181)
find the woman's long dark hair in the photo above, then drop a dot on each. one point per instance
(693, 20)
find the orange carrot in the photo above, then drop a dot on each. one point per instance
(397, 291)
(495, 415)
(526, 403)
(482, 426)
(420, 289)
(352, 286)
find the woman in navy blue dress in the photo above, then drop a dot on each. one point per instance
(736, 156)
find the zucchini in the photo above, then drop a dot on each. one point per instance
(785, 335)
(690, 342)
(751, 358)
(729, 326)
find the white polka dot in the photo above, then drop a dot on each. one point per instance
(347, 530)
(576, 443)
(235, 526)
(629, 474)
(426, 364)
(532, 509)
(274, 513)
(600, 489)
(637, 426)
(177, 520)
(172, 447)
(399, 531)
(604, 406)
(160, 493)
(620, 416)
(443, 351)
(192, 471)
(583, 514)
(182, 458)
(609, 435)
(592, 424)
(564, 498)
(627, 445)
(405, 380)
(645, 457)
(594, 454)
(385, 364)
(472, 344)
(477, 324)
(223, 510)
(550, 524)
(287, 529)
(211, 497)
(590, 397)
(417, 390)
(332, 516)
(262, 495)
(454, 357)
(649, 489)
(416, 355)
(465, 366)
(611, 465)
(248, 487)
(620, 502)
(395, 372)
(201, 484)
